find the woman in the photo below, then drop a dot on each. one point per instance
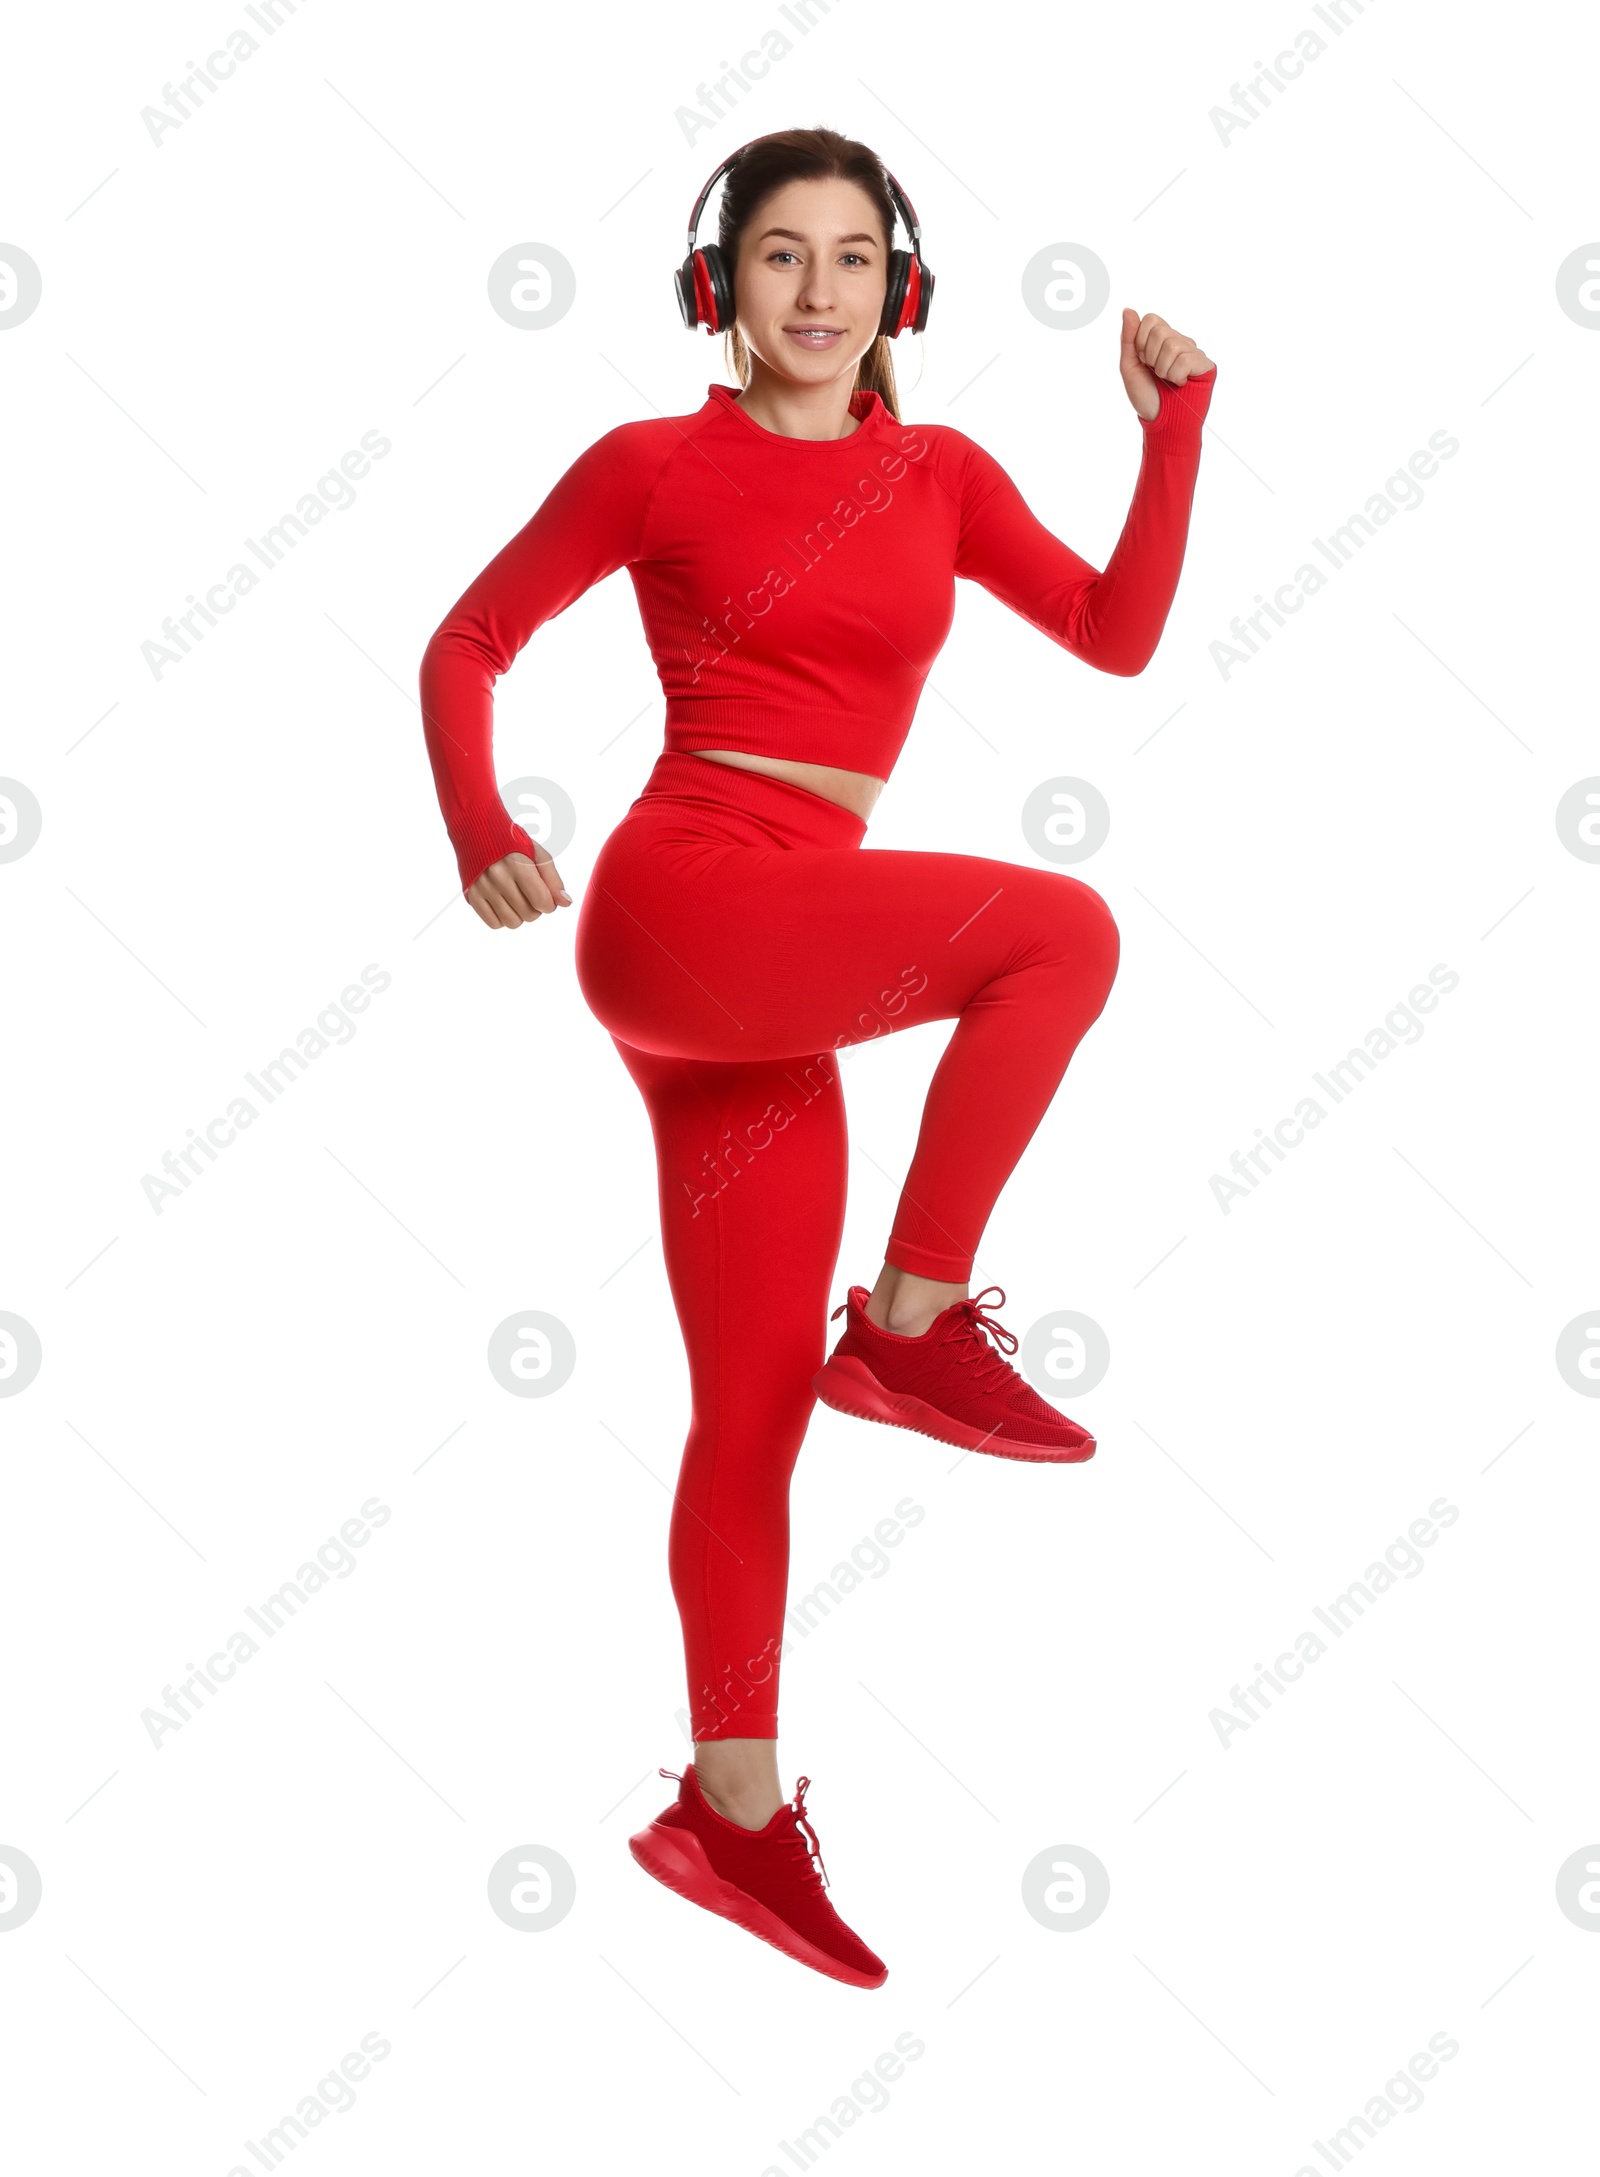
(793, 548)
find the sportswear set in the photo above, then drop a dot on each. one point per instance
(736, 933)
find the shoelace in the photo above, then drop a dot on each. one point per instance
(973, 1329)
(808, 1843)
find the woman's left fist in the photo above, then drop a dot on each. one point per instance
(1153, 355)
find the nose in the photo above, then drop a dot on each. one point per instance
(818, 290)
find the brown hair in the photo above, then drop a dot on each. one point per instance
(818, 154)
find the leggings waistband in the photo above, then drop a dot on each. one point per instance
(805, 818)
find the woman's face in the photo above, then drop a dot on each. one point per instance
(810, 280)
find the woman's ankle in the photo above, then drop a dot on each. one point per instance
(750, 1808)
(906, 1304)
(738, 1779)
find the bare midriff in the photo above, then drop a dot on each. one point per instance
(852, 790)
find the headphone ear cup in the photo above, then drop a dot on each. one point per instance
(894, 298)
(914, 312)
(919, 316)
(705, 305)
(719, 284)
(683, 286)
(913, 296)
(695, 284)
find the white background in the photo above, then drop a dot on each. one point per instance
(1292, 1384)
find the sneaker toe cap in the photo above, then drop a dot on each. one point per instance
(1032, 1420)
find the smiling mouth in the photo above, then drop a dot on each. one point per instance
(816, 336)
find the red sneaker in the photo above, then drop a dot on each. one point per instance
(761, 1879)
(949, 1383)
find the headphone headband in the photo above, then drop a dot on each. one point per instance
(902, 203)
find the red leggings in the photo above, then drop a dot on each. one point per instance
(734, 933)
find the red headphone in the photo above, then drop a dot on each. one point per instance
(703, 283)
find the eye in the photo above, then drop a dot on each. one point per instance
(856, 254)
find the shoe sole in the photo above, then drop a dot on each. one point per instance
(849, 1387)
(677, 1858)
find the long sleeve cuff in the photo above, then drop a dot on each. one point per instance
(483, 836)
(1183, 410)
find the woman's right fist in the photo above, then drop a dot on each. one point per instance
(514, 890)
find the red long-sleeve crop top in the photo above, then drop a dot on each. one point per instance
(795, 592)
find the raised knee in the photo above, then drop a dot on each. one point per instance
(1090, 927)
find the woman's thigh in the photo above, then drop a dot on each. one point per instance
(751, 1163)
(701, 949)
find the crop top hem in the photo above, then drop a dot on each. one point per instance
(836, 742)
